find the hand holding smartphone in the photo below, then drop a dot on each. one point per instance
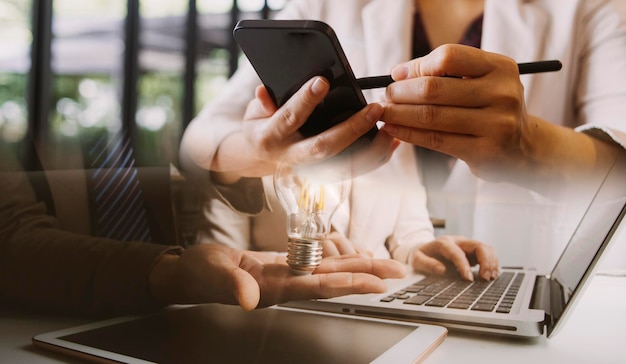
(287, 53)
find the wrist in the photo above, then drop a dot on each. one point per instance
(556, 153)
(237, 157)
(162, 279)
(539, 144)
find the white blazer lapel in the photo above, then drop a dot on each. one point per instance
(385, 24)
(517, 28)
(514, 28)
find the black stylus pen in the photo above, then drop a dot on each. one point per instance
(530, 67)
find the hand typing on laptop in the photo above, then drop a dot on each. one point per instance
(437, 257)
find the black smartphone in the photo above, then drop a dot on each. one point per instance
(287, 53)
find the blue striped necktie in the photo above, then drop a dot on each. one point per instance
(119, 205)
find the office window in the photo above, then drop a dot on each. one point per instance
(15, 40)
(214, 49)
(87, 48)
(276, 4)
(251, 5)
(161, 68)
(85, 67)
(219, 55)
(71, 68)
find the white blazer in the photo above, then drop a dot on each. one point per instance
(588, 36)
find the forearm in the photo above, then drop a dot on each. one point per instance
(235, 159)
(47, 268)
(562, 154)
(412, 230)
(219, 120)
(54, 270)
(162, 280)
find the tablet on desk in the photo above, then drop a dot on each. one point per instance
(216, 333)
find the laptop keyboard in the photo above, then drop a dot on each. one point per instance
(493, 296)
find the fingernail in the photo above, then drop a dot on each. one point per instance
(487, 276)
(374, 113)
(319, 86)
(469, 275)
(495, 274)
(400, 72)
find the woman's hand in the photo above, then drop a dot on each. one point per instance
(456, 253)
(466, 103)
(270, 134)
(469, 104)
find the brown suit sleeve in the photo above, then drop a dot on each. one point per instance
(46, 268)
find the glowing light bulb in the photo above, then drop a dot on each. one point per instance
(310, 195)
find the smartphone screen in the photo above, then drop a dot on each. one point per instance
(287, 53)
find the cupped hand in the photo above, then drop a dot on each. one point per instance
(335, 276)
(215, 273)
(464, 102)
(458, 253)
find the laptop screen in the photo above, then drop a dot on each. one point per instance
(593, 234)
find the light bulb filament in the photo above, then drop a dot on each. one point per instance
(311, 199)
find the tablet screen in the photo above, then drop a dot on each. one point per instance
(227, 334)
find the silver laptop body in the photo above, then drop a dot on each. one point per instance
(542, 303)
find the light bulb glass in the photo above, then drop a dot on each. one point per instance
(310, 195)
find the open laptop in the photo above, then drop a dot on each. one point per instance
(520, 302)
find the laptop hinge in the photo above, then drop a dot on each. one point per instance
(541, 295)
(548, 296)
(557, 299)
